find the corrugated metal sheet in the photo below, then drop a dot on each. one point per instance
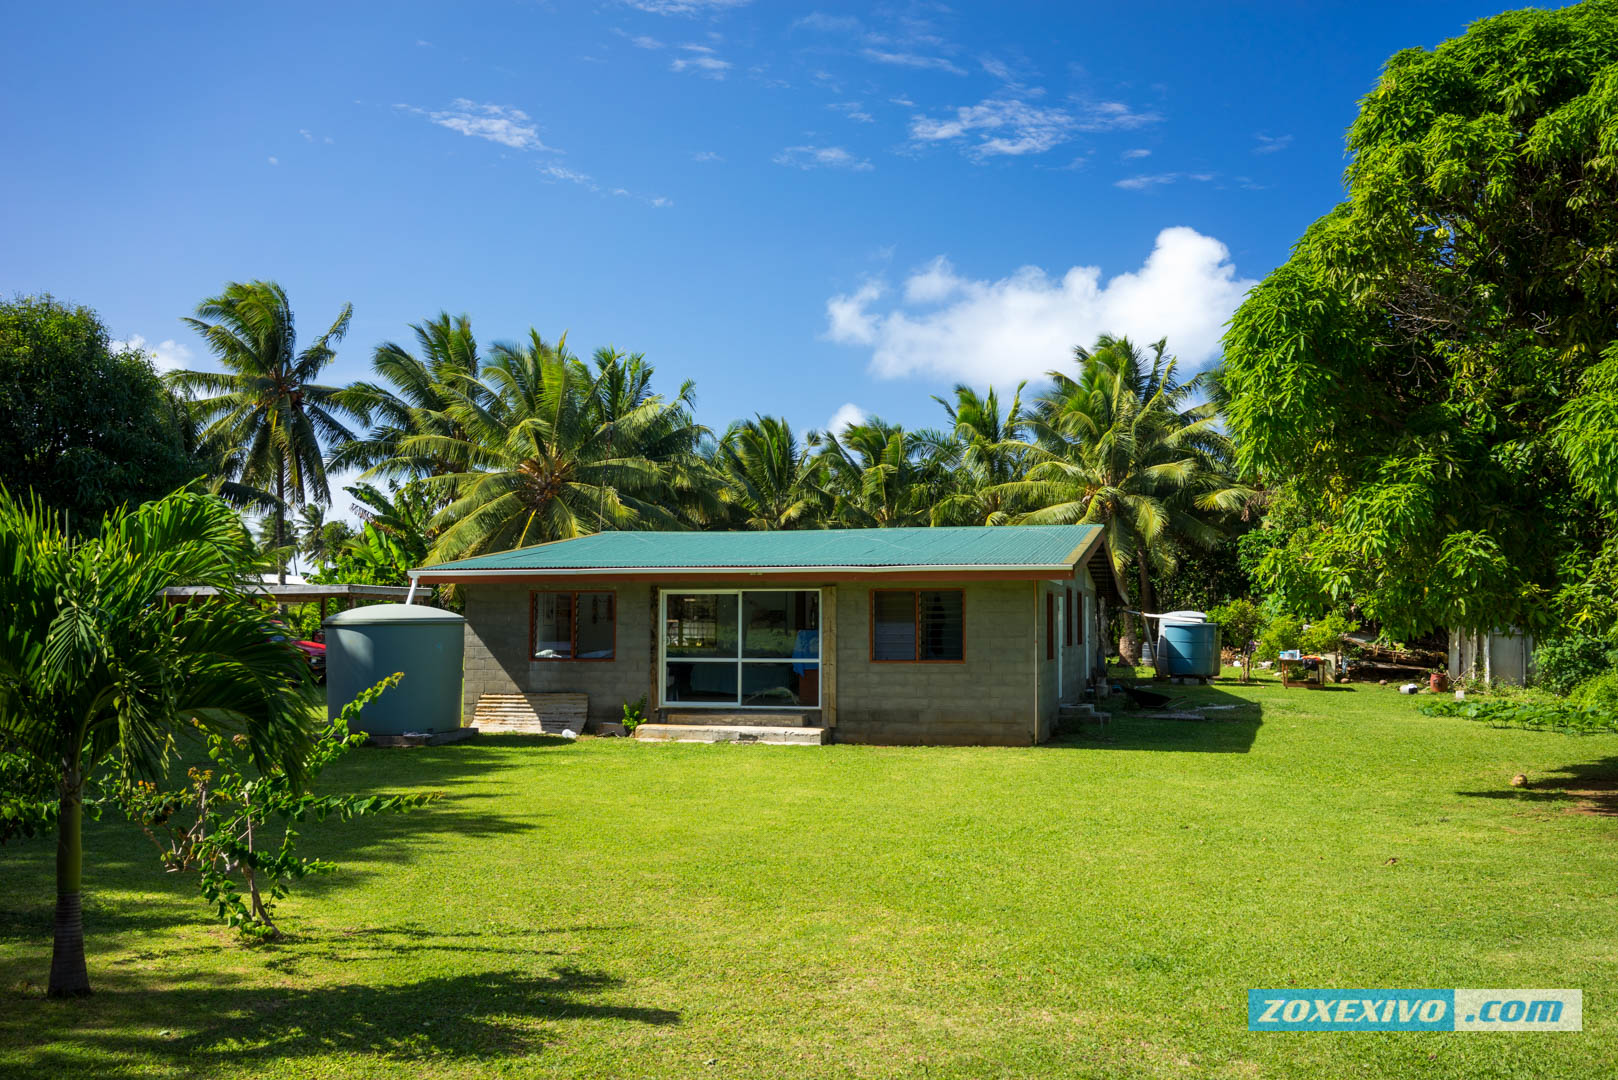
(1023, 545)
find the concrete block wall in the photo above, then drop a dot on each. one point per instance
(497, 659)
(987, 700)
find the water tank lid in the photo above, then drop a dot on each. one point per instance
(391, 614)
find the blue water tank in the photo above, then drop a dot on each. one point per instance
(1190, 648)
(365, 645)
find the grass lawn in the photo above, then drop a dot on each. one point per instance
(1098, 907)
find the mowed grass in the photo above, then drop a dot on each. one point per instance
(1096, 908)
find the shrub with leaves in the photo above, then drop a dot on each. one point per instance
(1564, 663)
(1326, 635)
(223, 824)
(634, 714)
(1559, 716)
(1282, 633)
(1240, 622)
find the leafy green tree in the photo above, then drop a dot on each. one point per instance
(86, 427)
(1433, 375)
(771, 480)
(1240, 623)
(983, 451)
(539, 458)
(96, 668)
(266, 401)
(222, 824)
(320, 540)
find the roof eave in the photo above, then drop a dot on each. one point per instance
(1016, 571)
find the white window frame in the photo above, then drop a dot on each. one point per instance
(741, 642)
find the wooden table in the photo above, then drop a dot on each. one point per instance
(1317, 678)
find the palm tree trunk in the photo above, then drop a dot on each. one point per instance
(280, 526)
(69, 977)
(1147, 602)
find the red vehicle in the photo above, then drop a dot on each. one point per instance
(314, 652)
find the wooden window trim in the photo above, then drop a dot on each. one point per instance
(1050, 626)
(915, 597)
(1067, 618)
(573, 630)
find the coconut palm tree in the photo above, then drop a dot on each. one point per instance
(1125, 445)
(412, 398)
(537, 460)
(97, 669)
(881, 475)
(266, 400)
(320, 540)
(982, 451)
(771, 481)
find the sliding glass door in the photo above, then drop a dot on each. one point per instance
(741, 648)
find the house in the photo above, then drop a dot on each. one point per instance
(918, 636)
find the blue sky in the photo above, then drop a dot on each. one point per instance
(812, 210)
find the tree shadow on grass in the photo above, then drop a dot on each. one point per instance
(1196, 719)
(485, 1016)
(383, 943)
(1585, 788)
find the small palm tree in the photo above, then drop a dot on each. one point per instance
(267, 401)
(771, 481)
(880, 475)
(538, 459)
(1125, 446)
(982, 451)
(97, 669)
(413, 398)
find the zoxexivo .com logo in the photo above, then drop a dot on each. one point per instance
(1415, 1010)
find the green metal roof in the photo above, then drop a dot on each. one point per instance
(1011, 547)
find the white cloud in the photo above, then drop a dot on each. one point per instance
(821, 157)
(933, 283)
(165, 356)
(572, 176)
(684, 7)
(848, 321)
(275, 160)
(847, 415)
(1270, 144)
(913, 60)
(1110, 116)
(1148, 181)
(645, 41)
(830, 24)
(853, 110)
(999, 126)
(1026, 324)
(706, 155)
(503, 124)
(702, 61)
(1131, 155)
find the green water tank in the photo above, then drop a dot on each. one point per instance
(365, 645)
(1190, 648)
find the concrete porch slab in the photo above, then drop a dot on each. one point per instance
(714, 733)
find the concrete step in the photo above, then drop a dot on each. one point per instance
(714, 733)
(1081, 713)
(719, 719)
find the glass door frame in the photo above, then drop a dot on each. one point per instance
(740, 659)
